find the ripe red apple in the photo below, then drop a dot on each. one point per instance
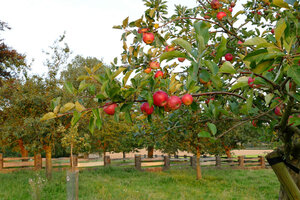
(215, 4)
(220, 15)
(259, 13)
(251, 82)
(254, 123)
(148, 38)
(187, 99)
(272, 31)
(228, 57)
(232, 4)
(160, 98)
(158, 74)
(154, 64)
(210, 99)
(240, 42)
(110, 109)
(147, 70)
(230, 9)
(290, 85)
(146, 109)
(174, 102)
(181, 59)
(143, 30)
(277, 111)
(167, 108)
(169, 48)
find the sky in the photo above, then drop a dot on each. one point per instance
(36, 24)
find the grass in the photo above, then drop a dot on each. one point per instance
(118, 183)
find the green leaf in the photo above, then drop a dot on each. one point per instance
(116, 73)
(128, 116)
(255, 41)
(67, 107)
(183, 43)
(227, 67)
(75, 118)
(49, 115)
(126, 77)
(212, 128)
(221, 49)
(92, 124)
(249, 100)
(294, 73)
(172, 54)
(281, 3)
(150, 99)
(126, 107)
(125, 22)
(69, 87)
(96, 113)
(279, 30)
(263, 66)
(82, 86)
(204, 134)
(241, 82)
(204, 75)
(212, 66)
(268, 98)
(201, 29)
(256, 56)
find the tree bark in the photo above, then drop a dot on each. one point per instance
(150, 151)
(23, 151)
(199, 175)
(124, 156)
(48, 162)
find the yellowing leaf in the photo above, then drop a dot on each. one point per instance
(156, 26)
(49, 115)
(67, 107)
(261, 67)
(56, 109)
(79, 107)
(279, 30)
(88, 70)
(96, 67)
(281, 3)
(151, 13)
(126, 77)
(125, 22)
(116, 73)
(227, 68)
(255, 41)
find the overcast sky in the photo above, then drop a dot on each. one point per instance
(88, 24)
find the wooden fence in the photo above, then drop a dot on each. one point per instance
(158, 163)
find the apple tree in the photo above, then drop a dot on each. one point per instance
(246, 55)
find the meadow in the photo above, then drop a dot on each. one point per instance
(118, 183)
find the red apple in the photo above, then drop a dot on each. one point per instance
(160, 98)
(110, 109)
(147, 70)
(272, 31)
(254, 123)
(240, 42)
(169, 48)
(174, 102)
(259, 13)
(181, 59)
(215, 4)
(154, 64)
(220, 15)
(277, 111)
(230, 9)
(187, 99)
(167, 108)
(228, 57)
(143, 30)
(290, 85)
(146, 109)
(148, 38)
(251, 82)
(158, 74)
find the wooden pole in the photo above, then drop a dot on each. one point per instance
(138, 162)
(284, 176)
(241, 161)
(37, 161)
(218, 161)
(48, 162)
(107, 160)
(74, 161)
(1, 161)
(262, 162)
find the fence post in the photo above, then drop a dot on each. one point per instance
(241, 161)
(72, 184)
(166, 163)
(1, 161)
(138, 162)
(107, 160)
(74, 162)
(262, 161)
(193, 161)
(218, 161)
(175, 156)
(38, 161)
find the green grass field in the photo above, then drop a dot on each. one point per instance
(118, 183)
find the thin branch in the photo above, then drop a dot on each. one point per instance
(219, 93)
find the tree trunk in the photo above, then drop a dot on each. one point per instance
(48, 162)
(23, 151)
(199, 175)
(150, 151)
(227, 151)
(124, 156)
(289, 180)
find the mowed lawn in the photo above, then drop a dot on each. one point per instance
(119, 183)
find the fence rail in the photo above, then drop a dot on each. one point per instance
(140, 162)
